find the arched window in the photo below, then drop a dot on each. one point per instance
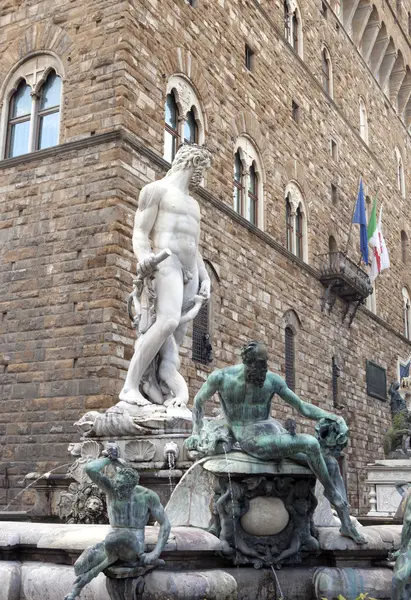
(49, 112)
(293, 26)
(332, 245)
(171, 128)
(287, 21)
(326, 72)
(248, 193)
(31, 111)
(363, 121)
(202, 350)
(184, 119)
(292, 326)
(289, 358)
(19, 121)
(404, 247)
(332, 249)
(400, 172)
(296, 222)
(407, 312)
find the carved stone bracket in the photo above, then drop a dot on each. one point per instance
(350, 311)
(328, 300)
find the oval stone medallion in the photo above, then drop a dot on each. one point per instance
(266, 516)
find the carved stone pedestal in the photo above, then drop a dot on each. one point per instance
(261, 511)
(381, 478)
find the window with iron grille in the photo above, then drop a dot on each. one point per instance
(376, 381)
(202, 350)
(290, 358)
(336, 371)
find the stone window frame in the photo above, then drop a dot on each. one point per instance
(250, 156)
(35, 75)
(363, 120)
(292, 14)
(406, 301)
(329, 74)
(400, 173)
(295, 197)
(187, 100)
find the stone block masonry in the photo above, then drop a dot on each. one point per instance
(66, 261)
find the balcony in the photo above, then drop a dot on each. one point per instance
(343, 279)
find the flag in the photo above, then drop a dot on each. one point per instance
(380, 259)
(372, 230)
(360, 218)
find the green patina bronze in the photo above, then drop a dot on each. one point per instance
(129, 505)
(246, 391)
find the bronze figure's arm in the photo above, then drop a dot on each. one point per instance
(309, 410)
(94, 470)
(207, 391)
(158, 513)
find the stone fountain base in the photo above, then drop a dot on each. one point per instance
(261, 511)
(36, 564)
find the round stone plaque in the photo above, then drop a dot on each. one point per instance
(266, 516)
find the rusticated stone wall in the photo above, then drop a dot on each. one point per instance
(66, 262)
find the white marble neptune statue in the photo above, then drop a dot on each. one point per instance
(172, 282)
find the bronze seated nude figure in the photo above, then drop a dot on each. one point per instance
(245, 392)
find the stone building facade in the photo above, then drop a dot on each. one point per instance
(308, 97)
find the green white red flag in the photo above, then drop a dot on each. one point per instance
(380, 259)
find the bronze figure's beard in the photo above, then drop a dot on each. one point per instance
(255, 375)
(123, 490)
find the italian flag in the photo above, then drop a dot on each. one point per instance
(380, 259)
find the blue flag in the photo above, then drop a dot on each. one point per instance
(360, 218)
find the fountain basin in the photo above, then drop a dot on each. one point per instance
(36, 564)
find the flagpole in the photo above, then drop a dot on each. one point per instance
(352, 216)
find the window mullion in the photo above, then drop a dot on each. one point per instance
(33, 122)
(294, 235)
(246, 207)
